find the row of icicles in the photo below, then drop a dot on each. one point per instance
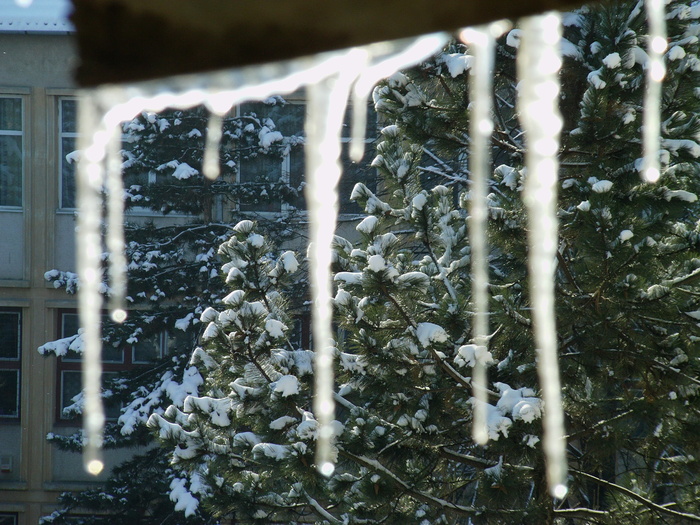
(332, 79)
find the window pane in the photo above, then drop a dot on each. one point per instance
(354, 172)
(10, 170)
(71, 385)
(67, 173)
(70, 323)
(260, 173)
(11, 114)
(69, 115)
(287, 118)
(9, 393)
(147, 350)
(113, 408)
(8, 519)
(9, 335)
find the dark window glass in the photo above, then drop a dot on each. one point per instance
(11, 144)
(67, 143)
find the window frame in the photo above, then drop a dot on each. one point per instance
(240, 111)
(23, 146)
(14, 364)
(72, 365)
(12, 516)
(61, 154)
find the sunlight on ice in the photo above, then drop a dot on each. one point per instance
(538, 63)
(656, 70)
(330, 77)
(482, 45)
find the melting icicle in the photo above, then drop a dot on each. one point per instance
(210, 163)
(655, 72)
(481, 43)
(330, 73)
(115, 237)
(89, 247)
(538, 64)
(327, 102)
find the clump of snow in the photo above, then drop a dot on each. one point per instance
(256, 240)
(680, 195)
(472, 354)
(376, 263)
(281, 422)
(428, 333)
(676, 53)
(184, 323)
(612, 61)
(626, 235)
(584, 206)
(275, 328)
(520, 404)
(513, 38)
(183, 499)
(595, 80)
(419, 201)
(457, 63)
(349, 277)
(289, 262)
(368, 225)
(602, 186)
(184, 171)
(287, 385)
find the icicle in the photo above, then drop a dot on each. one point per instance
(481, 44)
(326, 109)
(330, 76)
(89, 248)
(210, 163)
(115, 230)
(655, 72)
(420, 49)
(538, 64)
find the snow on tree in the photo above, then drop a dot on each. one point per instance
(175, 220)
(241, 443)
(626, 302)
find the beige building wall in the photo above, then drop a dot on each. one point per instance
(34, 238)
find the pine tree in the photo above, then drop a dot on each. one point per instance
(627, 311)
(175, 220)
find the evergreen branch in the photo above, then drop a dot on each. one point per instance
(588, 429)
(582, 512)
(637, 497)
(320, 510)
(417, 494)
(477, 462)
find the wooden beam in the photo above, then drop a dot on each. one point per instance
(132, 40)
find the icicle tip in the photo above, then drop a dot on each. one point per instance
(559, 491)
(119, 315)
(327, 468)
(95, 466)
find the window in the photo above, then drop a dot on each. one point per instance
(115, 361)
(268, 170)
(354, 172)
(11, 148)
(10, 353)
(67, 135)
(8, 518)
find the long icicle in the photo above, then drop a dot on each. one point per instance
(326, 108)
(538, 63)
(655, 72)
(481, 44)
(89, 249)
(115, 230)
